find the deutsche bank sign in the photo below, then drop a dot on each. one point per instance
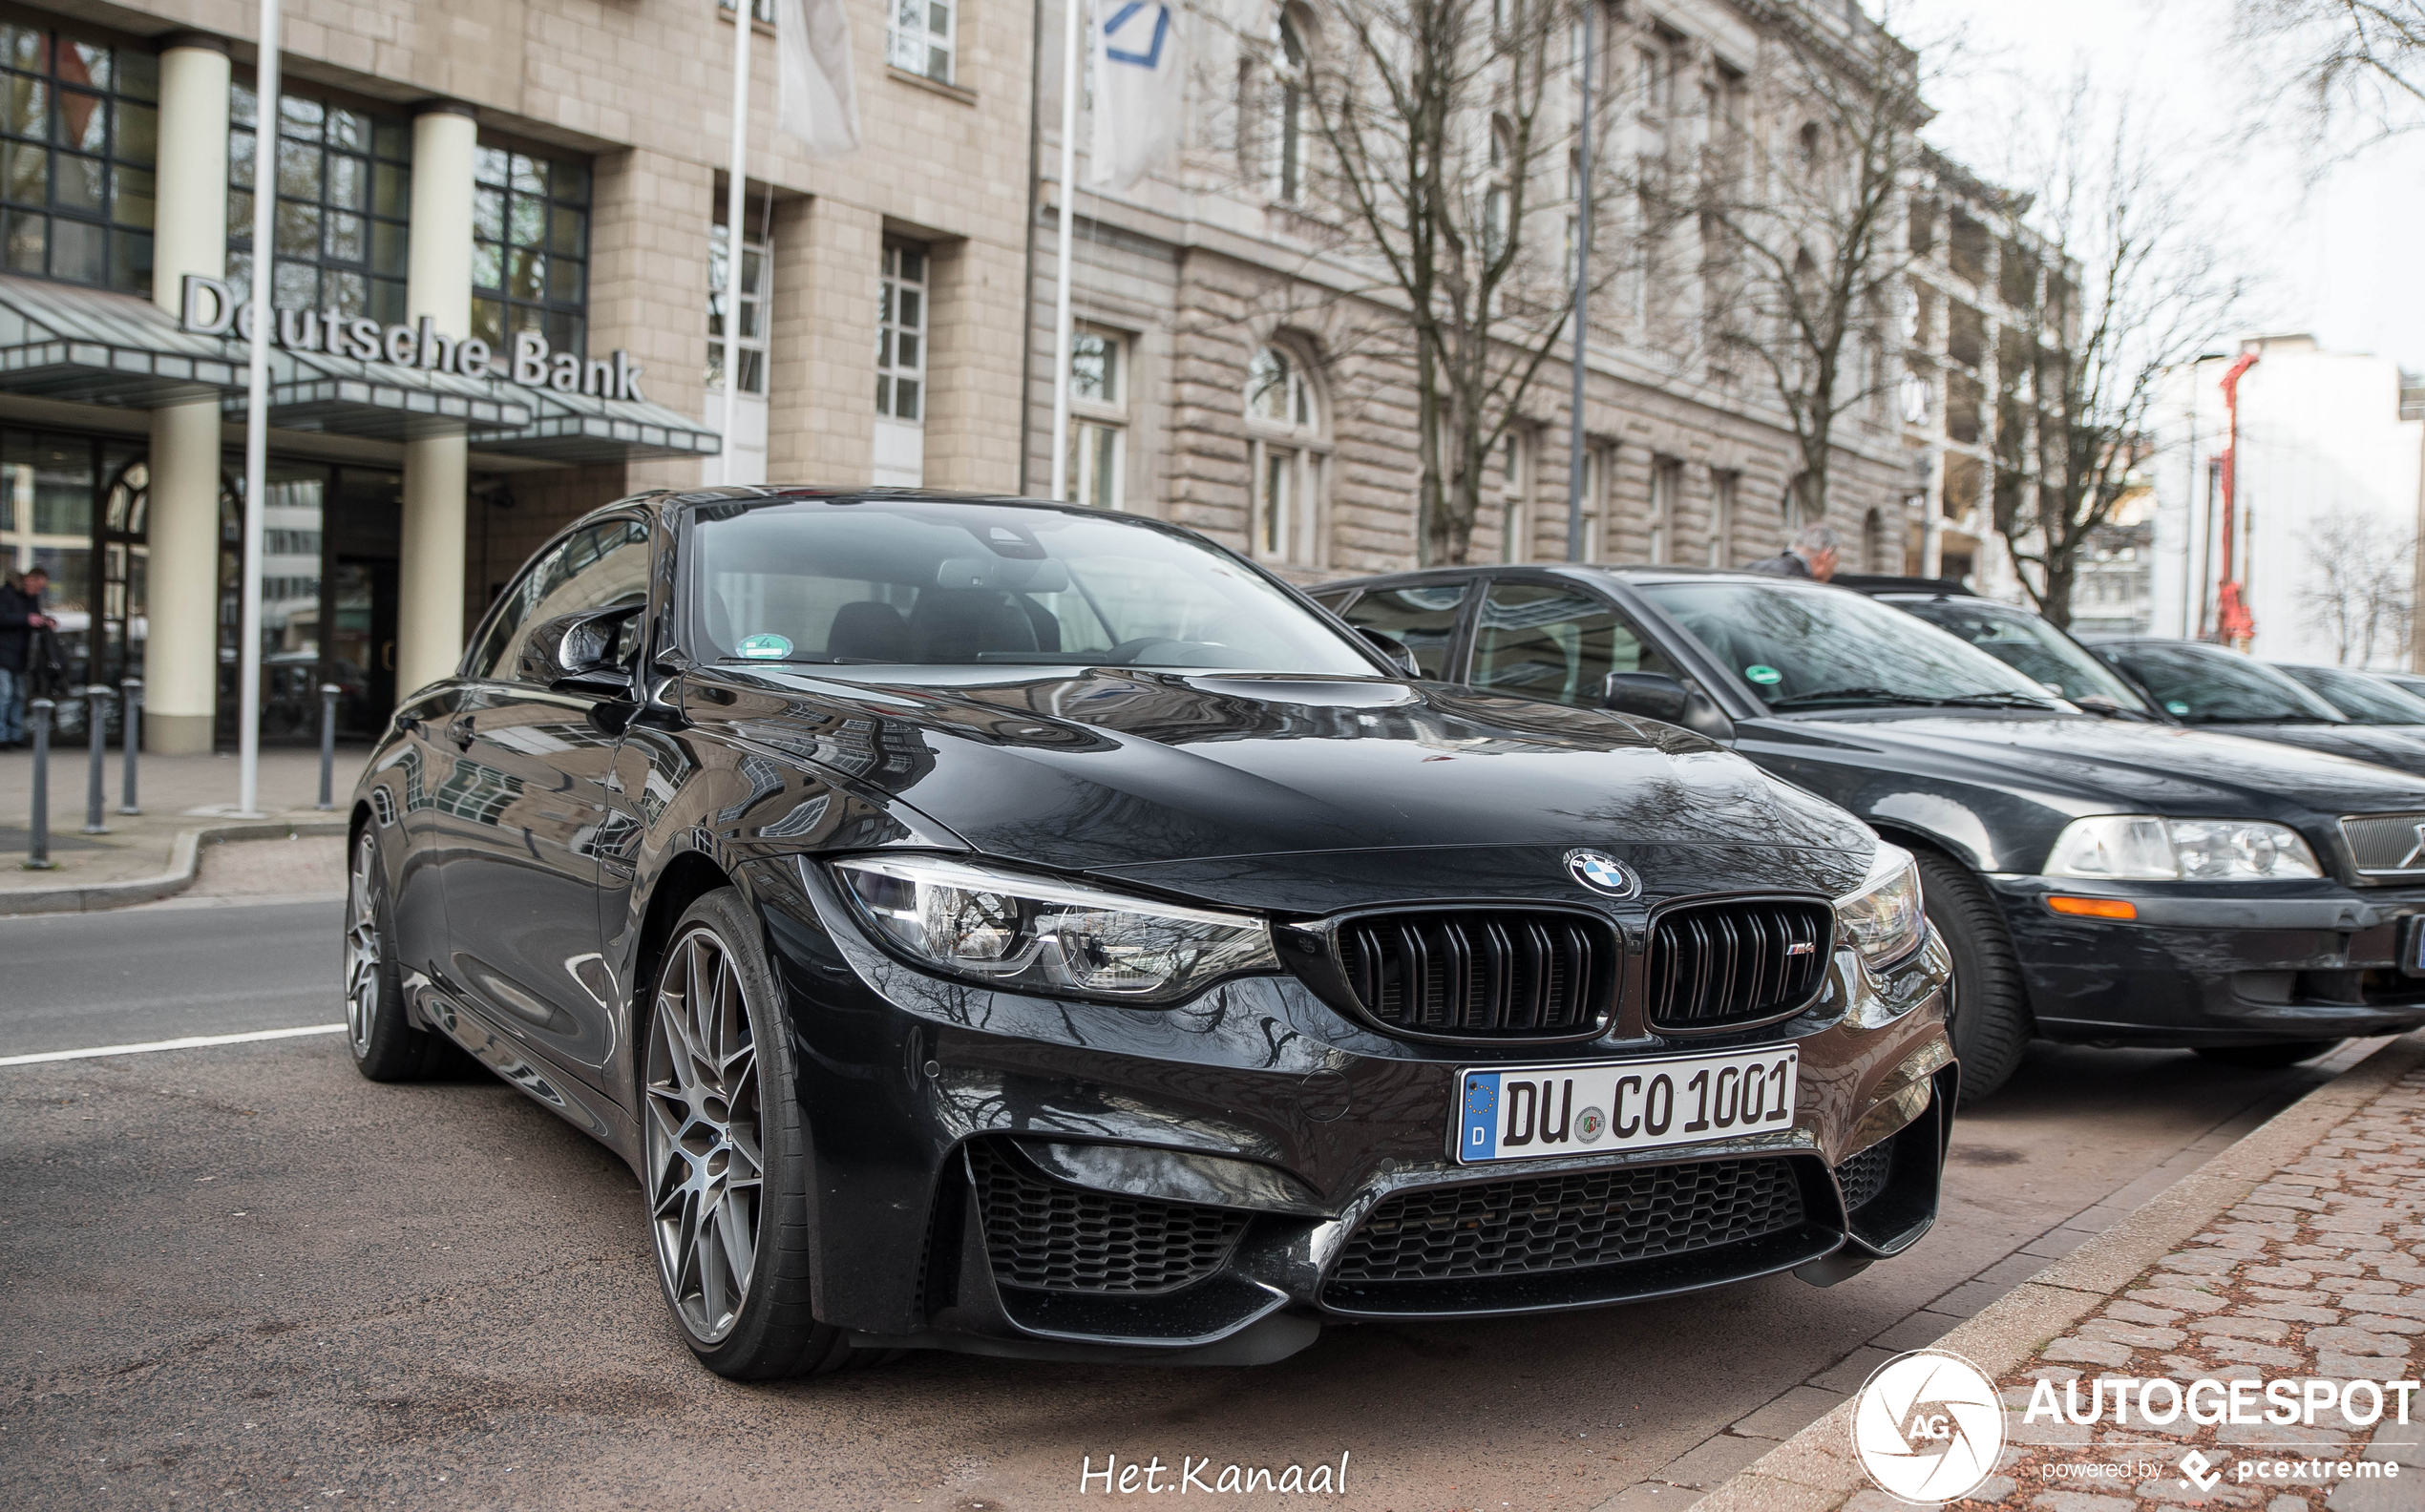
(211, 308)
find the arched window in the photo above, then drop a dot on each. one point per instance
(1287, 455)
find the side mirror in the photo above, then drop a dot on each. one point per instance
(574, 653)
(1657, 695)
(1399, 654)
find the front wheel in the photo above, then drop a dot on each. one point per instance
(2269, 1057)
(385, 1047)
(727, 1155)
(1988, 1018)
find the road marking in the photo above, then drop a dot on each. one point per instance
(195, 1042)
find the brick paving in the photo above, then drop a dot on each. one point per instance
(2318, 1273)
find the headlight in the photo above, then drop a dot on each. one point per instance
(1883, 920)
(2141, 847)
(1041, 936)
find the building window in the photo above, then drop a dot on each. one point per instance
(530, 249)
(918, 37)
(344, 185)
(1515, 469)
(1286, 452)
(80, 125)
(750, 339)
(1288, 107)
(1722, 489)
(900, 335)
(1600, 472)
(1667, 485)
(1098, 431)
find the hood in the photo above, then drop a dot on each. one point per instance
(1105, 767)
(2085, 764)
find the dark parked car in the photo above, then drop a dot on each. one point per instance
(2213, 688)
(1014, 928)
(2362, 697)
(2026, 641)
(2100, 879)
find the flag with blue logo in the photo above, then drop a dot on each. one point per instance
(1140, 89)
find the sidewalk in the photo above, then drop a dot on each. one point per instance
(152, 854)
(2299, 1253)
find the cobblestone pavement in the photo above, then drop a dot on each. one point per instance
(2318, 1274)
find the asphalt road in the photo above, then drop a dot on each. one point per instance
(242, 1276)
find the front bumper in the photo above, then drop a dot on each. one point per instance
(2216, 963)
(1008, 1174)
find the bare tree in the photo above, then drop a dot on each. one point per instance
(2362, 61)
(2359, 583)
(1801, 233)
(2127, 284)
(1425, 145)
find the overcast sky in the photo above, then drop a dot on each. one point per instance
(2340, 257)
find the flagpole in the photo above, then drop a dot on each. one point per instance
(256, 415)
(736, 185)
(1061, 326)
(1574, 501)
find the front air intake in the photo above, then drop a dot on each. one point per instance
(1717, 966)
(1502, 974)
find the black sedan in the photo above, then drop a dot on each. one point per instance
(2216, 688)
(2362, 697)
(1013, 928)
(2099, 878)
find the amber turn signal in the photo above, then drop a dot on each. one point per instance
(2094, 907)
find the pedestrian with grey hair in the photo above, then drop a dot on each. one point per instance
(1812, 555)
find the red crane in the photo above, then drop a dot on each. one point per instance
(2234, 627)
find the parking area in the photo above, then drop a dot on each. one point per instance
(241, 1275)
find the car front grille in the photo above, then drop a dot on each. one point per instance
(2386, 845)
(1864, 1176)
(1050, 1237)
(1722, 965)
(1482, 973)
(1570, 1223)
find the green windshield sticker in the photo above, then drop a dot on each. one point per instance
(1765, 675)
(764, 647)
(2176, 706)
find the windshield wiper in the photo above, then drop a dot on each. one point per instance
(1857, 694)
(1998, 697)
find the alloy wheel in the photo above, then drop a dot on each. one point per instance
(705, 1157)
(364, 950)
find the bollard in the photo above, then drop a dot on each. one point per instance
(130, 734)
(96, 721)
(328, 692)
(38, 848)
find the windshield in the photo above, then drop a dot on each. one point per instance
(940, 583)
(2208, 686)
(2362, 696)
(1813, 647)
(2025, 641)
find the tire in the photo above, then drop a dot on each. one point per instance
(2269, 1057)
(1988, 1015)
(726, 1154)
(384, 1045)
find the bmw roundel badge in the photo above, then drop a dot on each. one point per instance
(1602, 872)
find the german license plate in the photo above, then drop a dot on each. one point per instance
(1523, 1112)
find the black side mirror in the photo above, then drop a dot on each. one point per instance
(1400, 654)
(1657, 695)
(574, 653)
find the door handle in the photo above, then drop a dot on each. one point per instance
(460, 732)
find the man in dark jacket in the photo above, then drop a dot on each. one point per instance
(21, 616)
(1812, 555)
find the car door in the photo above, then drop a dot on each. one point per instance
(522, 805)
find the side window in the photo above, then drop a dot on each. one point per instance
(1558, 644)
(1423, 617)
(605, 564)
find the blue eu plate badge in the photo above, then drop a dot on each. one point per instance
(1481, 1136)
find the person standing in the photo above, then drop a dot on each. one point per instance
(21, 620)
(1812, 555)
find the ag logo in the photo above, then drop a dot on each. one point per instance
(1589, 1124)
(1927, 1426)
(1602, 872)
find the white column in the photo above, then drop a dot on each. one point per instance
(189, 235)
(438, 285)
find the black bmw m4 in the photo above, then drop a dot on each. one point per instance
(1012, 928)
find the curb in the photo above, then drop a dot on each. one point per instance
(1816, 1471)
(184, 864)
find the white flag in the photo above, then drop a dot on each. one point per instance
(817, 102)
(1140, 93)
